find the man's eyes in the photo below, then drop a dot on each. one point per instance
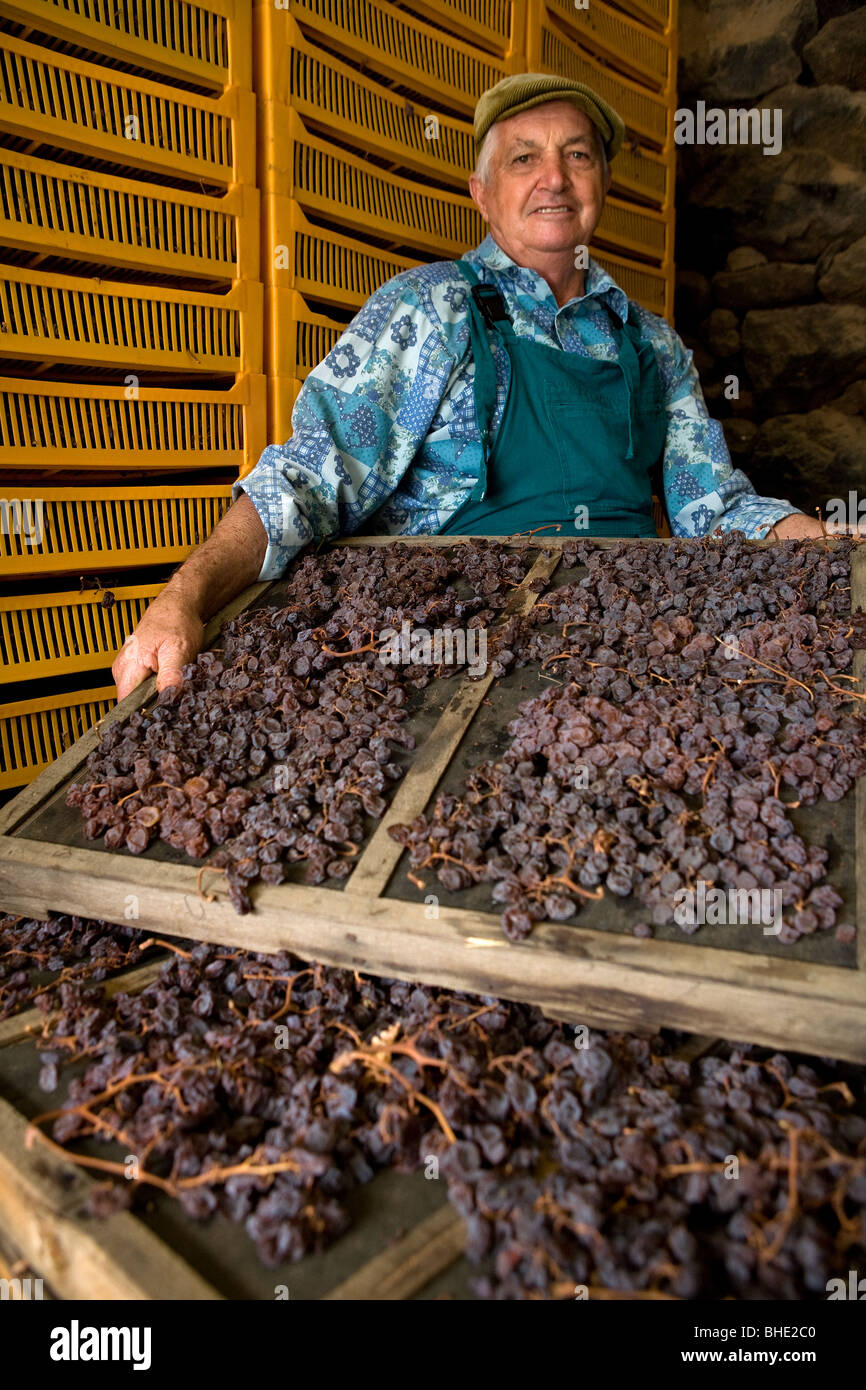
(575, 154)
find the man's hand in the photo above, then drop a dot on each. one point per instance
(167, 638)
(171, 632)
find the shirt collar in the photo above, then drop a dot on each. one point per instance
(597, 282)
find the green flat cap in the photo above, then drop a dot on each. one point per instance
(526, 89)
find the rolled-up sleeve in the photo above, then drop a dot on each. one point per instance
(359, 420)
(703, 490)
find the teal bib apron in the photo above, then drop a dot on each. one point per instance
(575, 433)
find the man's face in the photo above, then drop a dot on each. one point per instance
(545, 190)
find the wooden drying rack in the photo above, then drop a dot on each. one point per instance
(574, 973)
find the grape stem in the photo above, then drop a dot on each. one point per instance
(779, 672)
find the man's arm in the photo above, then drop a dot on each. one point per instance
(795, 526)
(170, 633)
(361, 417)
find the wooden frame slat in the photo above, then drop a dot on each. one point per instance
(608, 980)
(378, 861)
(14, 1266)
(30, 1022)
(42, 1198)
(409, 1264)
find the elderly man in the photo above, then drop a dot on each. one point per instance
(516, 388)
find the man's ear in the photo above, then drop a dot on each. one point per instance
(478, 193)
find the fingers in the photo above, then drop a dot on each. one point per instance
(172, 655)
(169, 674)
(134, 663)
(131, 667)
(166, 640)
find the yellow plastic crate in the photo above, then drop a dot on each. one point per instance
(331, 183)
(625, 227)
(406, 51)
(647, 115)
(64, 318)
(323, 264)
(642, 173)
(52, 530)
(614, 38)
(298, 339)
(55, 210)
(647, 286)
(54, 424)
(35, 732)
(206, 44)
(494, 24)
(355, 110)
(283, 391)
(659, 13)
(52, 99)
(59, 634)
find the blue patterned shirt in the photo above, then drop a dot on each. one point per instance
(384, 431)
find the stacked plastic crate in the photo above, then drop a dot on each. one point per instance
(131, 385)
(365, 147)
(627, 53)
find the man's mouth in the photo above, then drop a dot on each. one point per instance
(553, 209)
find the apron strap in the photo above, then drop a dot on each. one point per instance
(485, 306)
(486, 309)
(488, 301)
(629, 365)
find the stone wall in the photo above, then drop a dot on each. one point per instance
(771, 248)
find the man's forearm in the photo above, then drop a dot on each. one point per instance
(795, 527)
(228, 561)
(170, 634)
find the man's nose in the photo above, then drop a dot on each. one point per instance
(554, 172)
